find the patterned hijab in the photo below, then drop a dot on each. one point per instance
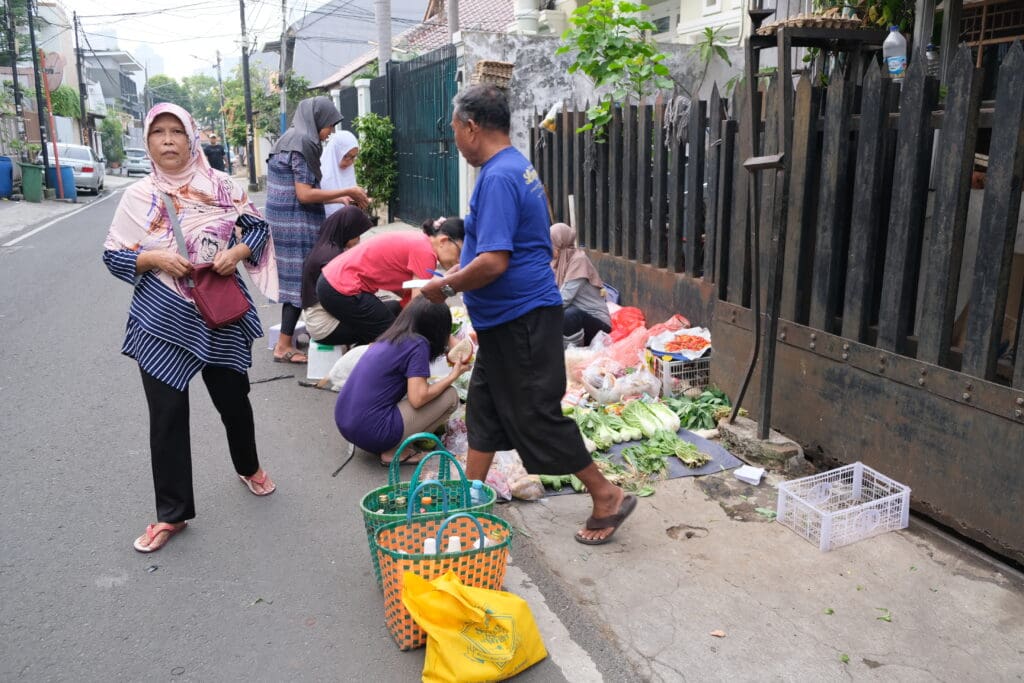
(312, 115)
(336, 178)
(572, 263)
(336, 231)
(207, 202)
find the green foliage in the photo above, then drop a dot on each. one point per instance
(113, 138)
(65, 102)
(204, 94)
(707, 49)
(376, 168)
(880, 13)
(266, 106)
(613, 49)
(165, 89)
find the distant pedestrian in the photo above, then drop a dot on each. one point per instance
(295, 207)
(516, 310)
(165, 333)
(584, 306)
(214, 153)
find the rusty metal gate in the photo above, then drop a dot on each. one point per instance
(421, 92)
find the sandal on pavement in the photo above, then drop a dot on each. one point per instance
(407, 459)
(156, 536)
(290, 356)
(612, 522)
(252, 482)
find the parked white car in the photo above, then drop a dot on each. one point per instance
(136, 160)
(88, 168)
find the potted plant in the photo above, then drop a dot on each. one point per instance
(376, 168)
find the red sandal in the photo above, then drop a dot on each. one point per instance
(153, 532)
(261, 482)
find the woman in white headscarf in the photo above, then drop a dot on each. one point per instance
(338, 166)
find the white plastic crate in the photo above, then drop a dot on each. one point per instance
(679, 375)
(844, 505)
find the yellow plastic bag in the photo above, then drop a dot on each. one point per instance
(473, 634)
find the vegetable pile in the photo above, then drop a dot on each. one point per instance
(702, 412)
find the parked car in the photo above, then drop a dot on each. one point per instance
(136, 160)
(88, 168)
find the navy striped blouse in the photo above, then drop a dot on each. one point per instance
(166, 334)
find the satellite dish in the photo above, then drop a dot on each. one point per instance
(54, 73)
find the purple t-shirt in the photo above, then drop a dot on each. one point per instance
(367, 409)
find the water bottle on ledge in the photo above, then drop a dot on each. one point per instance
(894, 51)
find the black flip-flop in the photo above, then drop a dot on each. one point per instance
(407, 460)
(612, 522)
(287, 358)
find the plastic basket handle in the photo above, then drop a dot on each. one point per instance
(394, 475)
(444, 525)
(446, 460)
(416, 492)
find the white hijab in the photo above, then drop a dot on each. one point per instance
(335, 178)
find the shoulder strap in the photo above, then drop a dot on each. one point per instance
(172, 214)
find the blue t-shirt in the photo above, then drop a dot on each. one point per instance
(508, 212)
(367, 412)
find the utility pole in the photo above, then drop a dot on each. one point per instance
(39, 81)
(249, 133)
(382, 9)
(81, 86)
(453, 19)
(282, 80)
(223, 122)
(12, 47)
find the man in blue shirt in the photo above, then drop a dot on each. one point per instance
(516, 309)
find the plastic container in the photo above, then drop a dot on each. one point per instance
(322, 358)
(6, 177)
(299, 336)
(32, 182)
(894, 51)
(67, 177)
(477, 494)
(844, 505)
(681, 376)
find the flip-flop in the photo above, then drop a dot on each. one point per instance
(410, 459)
(612, 522)
(249, 481)
(287, 358)
(154, 530)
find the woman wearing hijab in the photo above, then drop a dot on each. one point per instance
(339, 232)
(338, 163)
(584, 308)
(165, 333)
(295, 207)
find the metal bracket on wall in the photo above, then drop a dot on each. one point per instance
(990, 397)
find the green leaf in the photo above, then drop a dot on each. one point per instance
(844, 658)
(829, 611)
(766, 512)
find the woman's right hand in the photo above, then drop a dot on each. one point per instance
(170, 262)
(458, 368)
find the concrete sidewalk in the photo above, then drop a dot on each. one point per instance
(17, 217)
(697, 557)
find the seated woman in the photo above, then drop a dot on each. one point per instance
(348, 285)
(585, 310)
(340, 231)
(387, 398)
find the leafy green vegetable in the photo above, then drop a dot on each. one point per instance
(638, 415)
(701, 412)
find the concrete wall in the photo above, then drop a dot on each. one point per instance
(540, 77)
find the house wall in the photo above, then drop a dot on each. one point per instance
(541, 78)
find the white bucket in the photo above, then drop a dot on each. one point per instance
(322, 358)
(300, 335)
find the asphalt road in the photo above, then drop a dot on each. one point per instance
(267, 589)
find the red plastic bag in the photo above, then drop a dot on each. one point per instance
(625, 320)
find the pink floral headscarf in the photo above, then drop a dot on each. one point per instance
(208, 202)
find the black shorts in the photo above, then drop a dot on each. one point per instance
(515, 395)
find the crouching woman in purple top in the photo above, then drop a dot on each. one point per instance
(165, 333)
(386, 397)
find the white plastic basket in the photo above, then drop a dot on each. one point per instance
(679, 375)
(844, 505)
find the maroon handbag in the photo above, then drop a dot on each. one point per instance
(218, 298)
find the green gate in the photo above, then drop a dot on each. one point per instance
(421, 92)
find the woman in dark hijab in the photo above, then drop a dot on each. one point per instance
(295, 207)
(340, 231)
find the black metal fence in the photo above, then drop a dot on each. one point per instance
(379, 96)
(348, 105)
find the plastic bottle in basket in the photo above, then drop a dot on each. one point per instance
(454, 544)
(430, 546)
(477, 495)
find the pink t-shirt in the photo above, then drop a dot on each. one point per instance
(384, 261)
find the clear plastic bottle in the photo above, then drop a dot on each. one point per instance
(454, 544)
(894, 51)
(477, 495)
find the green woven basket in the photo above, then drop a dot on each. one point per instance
(400, 550)
(455, 487)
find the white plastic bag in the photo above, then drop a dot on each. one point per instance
(342, 367)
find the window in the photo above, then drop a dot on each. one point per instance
(711, 6)
(662, 25)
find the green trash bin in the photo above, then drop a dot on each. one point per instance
(32, 182)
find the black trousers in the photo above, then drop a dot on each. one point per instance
(362, 317)
(575, 319)
(170, 442)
